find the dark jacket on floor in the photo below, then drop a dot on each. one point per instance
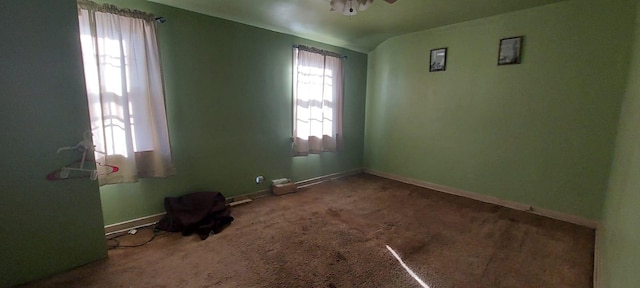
(202, 213)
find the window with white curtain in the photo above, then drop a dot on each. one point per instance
(317, 101)
(125, 92)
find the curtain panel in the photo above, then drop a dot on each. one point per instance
(125, 92)
(317, 102)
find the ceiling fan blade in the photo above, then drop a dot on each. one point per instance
(391, 1)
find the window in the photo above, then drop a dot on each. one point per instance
(125, 92)
(317, 101)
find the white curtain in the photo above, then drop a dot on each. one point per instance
(317, 97)
(125, 92)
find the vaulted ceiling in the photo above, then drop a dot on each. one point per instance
(312, 19)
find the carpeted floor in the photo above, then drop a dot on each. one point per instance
(335, 234)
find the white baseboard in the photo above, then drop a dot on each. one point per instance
(318, 180)
(153, 219)
(132, 224)
(490, 199)
(596, 259)
(251, 195)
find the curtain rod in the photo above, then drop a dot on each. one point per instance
(113, 9)
(319, 51)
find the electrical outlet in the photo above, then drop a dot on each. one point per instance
(259, 179)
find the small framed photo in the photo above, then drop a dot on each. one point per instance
(510, 50)
(438, 60)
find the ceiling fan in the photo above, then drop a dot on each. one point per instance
(351, 7)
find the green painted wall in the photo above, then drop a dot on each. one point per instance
(228, 91)
(540, 133)
(47, 227)
(620, 233)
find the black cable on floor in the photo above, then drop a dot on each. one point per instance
(118, 245)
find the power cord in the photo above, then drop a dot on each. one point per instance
(117, 244)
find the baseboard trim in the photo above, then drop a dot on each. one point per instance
(125, 226)
(251, 195)
(490, 199)
(329, 177)
(596, 259)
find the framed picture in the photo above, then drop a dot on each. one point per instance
(510, 50)
(438, 60)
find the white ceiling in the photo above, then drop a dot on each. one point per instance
(363, 32)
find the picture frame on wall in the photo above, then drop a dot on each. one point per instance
(510, 51)
(438, 60)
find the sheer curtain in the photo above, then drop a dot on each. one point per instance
(317, 96)
(125, 92)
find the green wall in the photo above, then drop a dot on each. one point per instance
(620, 233)
(47, 227)
(228, 91)
(540, 133)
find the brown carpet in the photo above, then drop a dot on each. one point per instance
(335, 234)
